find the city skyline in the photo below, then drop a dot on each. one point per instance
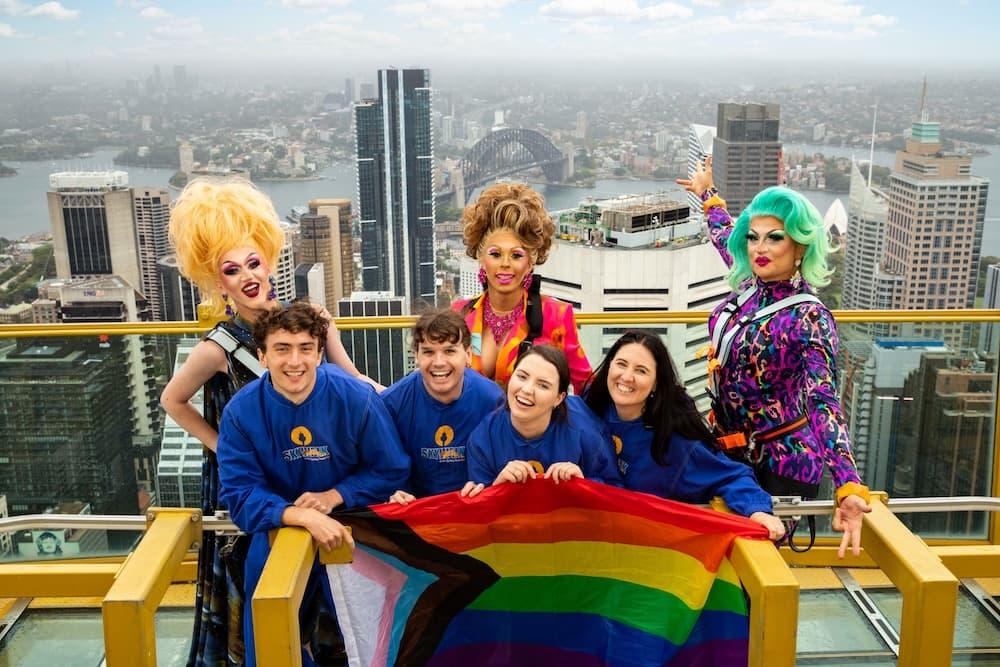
(686, 34)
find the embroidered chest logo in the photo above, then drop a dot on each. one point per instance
(442, 451)
(302, 438)
(622, 463)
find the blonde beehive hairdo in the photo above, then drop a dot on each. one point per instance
(213, 218)
(512, 206)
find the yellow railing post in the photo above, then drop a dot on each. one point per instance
(279, 593)
(929, 590)
(774, 602)
(278, 596)
(129, 607)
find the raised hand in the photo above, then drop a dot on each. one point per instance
(701, 178)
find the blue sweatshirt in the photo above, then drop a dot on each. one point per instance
(271, 451)
(495, 443)
(693, 473)
(434, 433)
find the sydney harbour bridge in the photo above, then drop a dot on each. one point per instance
(505, 152)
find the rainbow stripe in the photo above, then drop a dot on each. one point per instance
(579, 573)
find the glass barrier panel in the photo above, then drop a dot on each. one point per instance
(75, 638)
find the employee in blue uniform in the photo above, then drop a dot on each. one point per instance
(299, 442)
(663, 445)
(536, 435)
(436, 407)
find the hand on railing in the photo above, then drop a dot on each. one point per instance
(775, 526)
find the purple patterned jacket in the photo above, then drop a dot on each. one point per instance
(780, 368)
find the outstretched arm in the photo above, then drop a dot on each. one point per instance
(720, 223)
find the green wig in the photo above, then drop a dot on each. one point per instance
(802, 222)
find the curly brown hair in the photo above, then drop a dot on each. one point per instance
(512, 206)
(299, 316)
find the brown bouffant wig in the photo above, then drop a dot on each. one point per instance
(512, 206)
(299, 316)
(442, 325)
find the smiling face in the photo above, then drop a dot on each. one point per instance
(243, 277)
(442, 366)
(631, 378)
(506, 261)
(771, 250)
(291, 359)
(533, 390)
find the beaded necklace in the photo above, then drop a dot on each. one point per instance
(500, 325)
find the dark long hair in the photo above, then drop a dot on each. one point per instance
(669, 409)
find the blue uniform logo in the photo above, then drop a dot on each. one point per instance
(302, 438)
(443, 452)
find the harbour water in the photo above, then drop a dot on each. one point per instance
(24, 209)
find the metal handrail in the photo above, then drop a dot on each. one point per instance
(793, 507)
(221, 523)
(635, 318)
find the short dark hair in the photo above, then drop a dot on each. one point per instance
(442, 325)
(557, 358)
(299, 316)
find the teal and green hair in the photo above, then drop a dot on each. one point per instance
(802, 222)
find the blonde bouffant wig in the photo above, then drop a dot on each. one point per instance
(515, 207)
(212, 218)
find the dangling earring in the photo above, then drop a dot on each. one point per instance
(229, 309)
(273, 293)
(797, 276)
(482, 276)
(529, 277)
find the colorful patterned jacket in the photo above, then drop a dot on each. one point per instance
(780, 368)
(558, 330)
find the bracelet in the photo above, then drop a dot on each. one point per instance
(709, 193)
(713, 201)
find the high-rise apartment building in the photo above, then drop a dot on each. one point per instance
(866, 286)
(93, 225)
(325, 238)
(700, 140)
(381, 354)
(395, 161)
(180, 296)
(67, 425)
(178, 471)
(638, 253)
(746, 155)
(934, 228)
(151, 207)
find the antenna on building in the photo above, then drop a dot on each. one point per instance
(871, 152)
(923, 103)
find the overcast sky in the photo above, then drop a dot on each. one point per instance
(687, 36)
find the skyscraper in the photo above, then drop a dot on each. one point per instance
(700, 139)
(180, 296)
(395, 157)
(637, 253)
(934, 229)
(865, 285)
(325, 238)
(746, 157)
(151, 208)
(381, 354)
(93, 226)
(67, 425)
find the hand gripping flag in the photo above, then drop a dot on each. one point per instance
(578, 573)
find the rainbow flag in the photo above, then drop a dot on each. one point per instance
(578, 573)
